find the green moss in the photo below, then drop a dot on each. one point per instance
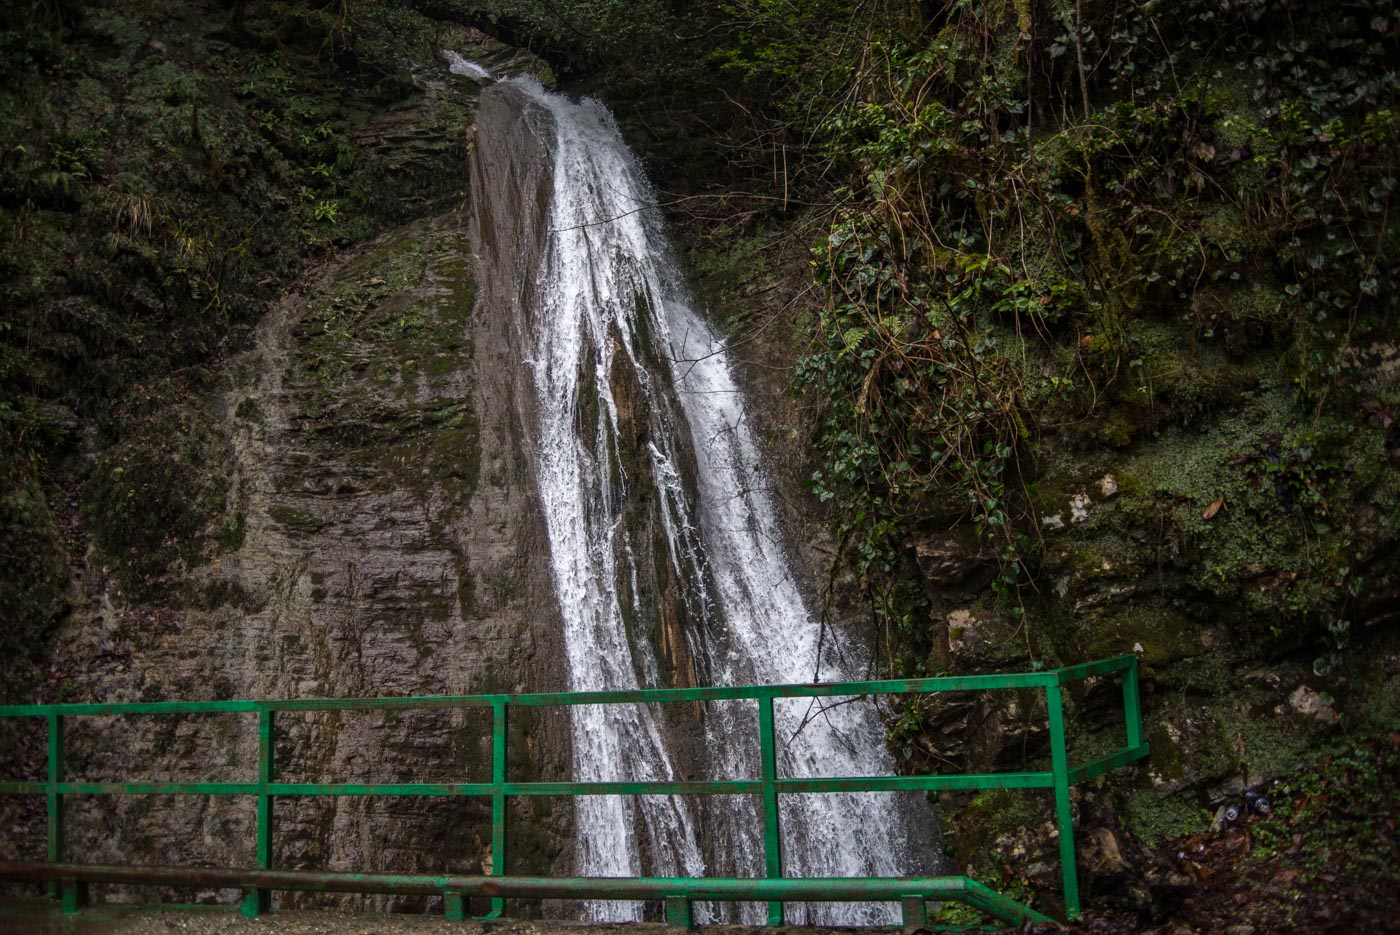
(232, 532)
(466, 591)
(223, 593)
(1116, 430)
(1246, 499)
(298, 520)
(1163, 633)
(157, 496)
(1150, 816)
(249, 410)
(404, 302)
(31, 603)
(990, 816)
(441, 365)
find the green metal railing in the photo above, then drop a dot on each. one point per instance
(775, 890)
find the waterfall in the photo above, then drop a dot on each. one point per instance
(666, 552)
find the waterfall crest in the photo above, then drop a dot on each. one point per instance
(667, 557)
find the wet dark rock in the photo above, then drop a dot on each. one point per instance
(953, 561)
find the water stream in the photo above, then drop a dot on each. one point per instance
(667, 557)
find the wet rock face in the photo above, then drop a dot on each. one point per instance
(372, 529)
(390, 545)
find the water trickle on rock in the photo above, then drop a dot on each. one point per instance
(465, 67)
(666, 552)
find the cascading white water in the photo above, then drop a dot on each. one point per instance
(618, 348)
(465, 67)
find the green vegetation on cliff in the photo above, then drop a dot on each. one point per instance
(1141, 240)
(166, 169)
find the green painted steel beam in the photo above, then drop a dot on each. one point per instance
(53, 798)
(676, 787)
(1038, 780)
(1104, 764)
(84, 787)
(949, 683)
(719, 889)
(75, 895)
(913, 912)
(257, 887)
(1132, 707)
(989, 682)
(384, 704)
(919, 783)
(1064, 815)
(679, 912)
(256, 899)
(809, 690)
(293, 789)
(1099, 667)
(995, 904)
(772, 837)
(825, 889)
(500, 771)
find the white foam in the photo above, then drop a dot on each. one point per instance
(458, 65)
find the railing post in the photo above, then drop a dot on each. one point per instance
(768, 766)
(75, 895)
(256, 900)
(678, 912)
(500, 724)
(1132, 705)
(913, 912)
(1064, 818)
(54, 801)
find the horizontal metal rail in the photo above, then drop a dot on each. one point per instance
(946, 683)
(716, 787)
(906, 890)
(769, 785)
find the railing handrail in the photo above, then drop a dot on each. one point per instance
(933, 684)
(678, 893)
(769, 785)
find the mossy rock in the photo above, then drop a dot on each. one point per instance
(32, 603)
(156, 497)
(295, 519)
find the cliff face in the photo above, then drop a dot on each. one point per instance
(342, 508)
(388, 543)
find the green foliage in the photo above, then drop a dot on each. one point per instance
(165, 169)
(151, 195)
(1334, 818)
(923, 416)
(1059, 232)
(579, 36)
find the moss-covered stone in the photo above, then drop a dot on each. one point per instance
(35, 595)
(303, 521)
(155, 499)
